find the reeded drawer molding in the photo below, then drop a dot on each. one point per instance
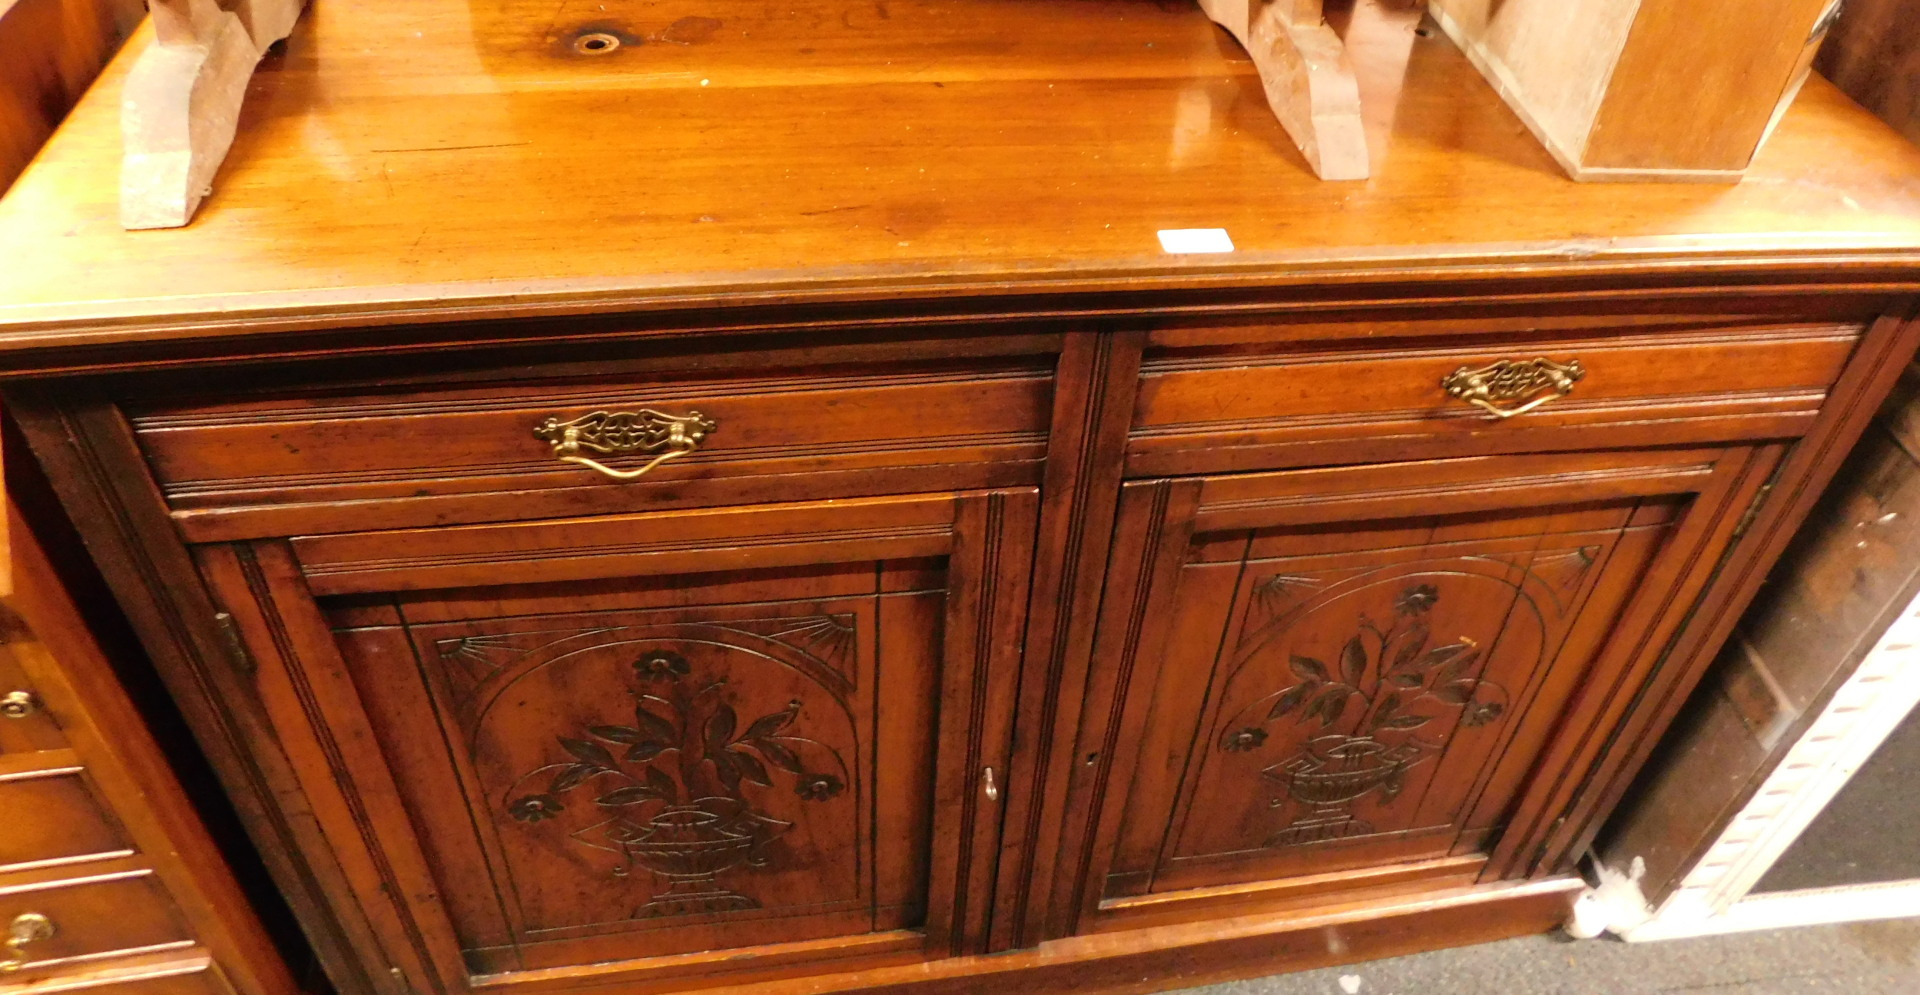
(658, 542)
(313, 462)
(1254, 406)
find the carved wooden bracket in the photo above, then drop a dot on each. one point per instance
(1309, 81)
(182, 101)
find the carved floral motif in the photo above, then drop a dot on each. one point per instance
(674, 783)
(1398, 682)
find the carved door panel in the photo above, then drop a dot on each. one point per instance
(567, 744)
(1332, 672)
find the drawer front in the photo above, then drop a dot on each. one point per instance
(1211, 400)
(53, 818)
(26, 727)
(173, 972)
(497, 451)
(75, 922)
(196, 976)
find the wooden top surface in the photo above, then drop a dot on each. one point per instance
(452, 158)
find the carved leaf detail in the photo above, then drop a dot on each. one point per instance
(658, 780)
(654, 726)
(1353, 661)
(1457, 657)
(617, 734)
(570, 777)
(645, 751)
(1308, 668)
(767, 725)
(1411, 646)
(632, 794)
(1456, 693)
(1331, 704)
(779, 756)
(720, 727)
(1289, 701)
(751, 768)
(588, 750)
(729, 771)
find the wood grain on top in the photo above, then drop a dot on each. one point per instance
(475, 158)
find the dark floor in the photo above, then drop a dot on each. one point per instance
(1871, 958)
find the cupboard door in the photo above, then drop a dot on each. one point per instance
(563, 747)
(1343, 677)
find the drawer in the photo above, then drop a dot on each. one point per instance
(52, 817)
(26, 727)
(89, 918)
(1223, 399)
(174, 975)
(317, 462)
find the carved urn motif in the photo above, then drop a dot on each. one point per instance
(674, 783)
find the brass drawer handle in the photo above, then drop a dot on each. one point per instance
(621, 432)
(1510, 380)
(19, 705)
(27, 927)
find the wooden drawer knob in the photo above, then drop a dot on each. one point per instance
(26, 928)
(19, 705)
(622, 432)
(1529, 382)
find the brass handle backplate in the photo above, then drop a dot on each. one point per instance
(1532, 382)
(27, 927)
(19, 705)
(619, 433)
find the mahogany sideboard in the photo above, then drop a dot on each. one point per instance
(672, 496)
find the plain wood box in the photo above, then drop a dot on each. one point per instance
(1644, 89)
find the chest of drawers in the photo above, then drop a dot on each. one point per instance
(845, 554)
(109, 883)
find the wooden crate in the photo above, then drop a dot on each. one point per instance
(1643, 89)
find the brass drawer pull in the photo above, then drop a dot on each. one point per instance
(1510, 380)
(19, 705)
(27, 927)
(622, 432)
